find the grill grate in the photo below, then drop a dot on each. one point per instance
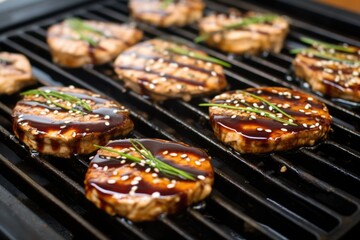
(316, 198)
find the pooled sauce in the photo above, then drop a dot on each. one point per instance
(157, 148)
(106, 119)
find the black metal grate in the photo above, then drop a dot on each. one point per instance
(317, 197)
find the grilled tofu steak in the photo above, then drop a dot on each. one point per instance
(330, 71)
(75, 42)
(15, 73)
(142, 190)
(163, 69)
(165, 13)
(63, 121)
(250, 32)
(266, 119)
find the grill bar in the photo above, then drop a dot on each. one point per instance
(252, 198)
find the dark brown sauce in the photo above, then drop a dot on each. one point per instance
(179, 79)
(156, 147)
(241, 126)
(44, 124)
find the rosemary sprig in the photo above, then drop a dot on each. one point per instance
(182, 51)
(242, 23)
(268, 103)
(149, 159)
(325, 45)
(80, 27)
(320, 54)
(249, 109)
(4, 61)
(166, 3)
(49, 95)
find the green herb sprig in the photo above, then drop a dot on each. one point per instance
(150, 160)
(249, 109)
(268, 103)
(242, 23)
(166, 3)
(50, 95)
(321, 54)
(182, 51)
(325, 45)
(80, 27)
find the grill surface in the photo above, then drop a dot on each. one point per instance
(317, 197)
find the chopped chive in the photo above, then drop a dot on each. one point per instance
(316, 43)
(321, 55)
(242, 23)
(80, 27)
(166, 3)
(191, 54)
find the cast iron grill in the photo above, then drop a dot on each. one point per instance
(317, 197)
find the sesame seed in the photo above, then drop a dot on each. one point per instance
(283, 129)
(297, 97)
(105, 168)
(213, 73)
(106, 117)
(187, 159)
(134, 188)
(154, 175)
(115, 173)
(156, 170)
(123, 161)
(134, 182)
(198, 163)
(233, 116)
(171, 185)
(283, 169)
(259, 129)
(138, 178)
(184, 155)
(165, 152)
(64, 126)
(111, 181)
(173, 154)
(201, 177)
(268, 130)
(305, 125)
(108, 158)
(107, 123)
(95, 165)
(155, 194)
(201, 159)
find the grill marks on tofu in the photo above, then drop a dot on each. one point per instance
(15, 73)
(333, 78)
(163, 14)
(52, 130)
(250, 39)
(150, 68)
(250, 132)
(74, 48)
(140, 192)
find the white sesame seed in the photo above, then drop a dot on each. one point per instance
(198, 163)
(105, 168)
(283, 129)
(165, 152)
(115, 173)
(107, 123)
(132, 164)
(95, 165)
(134, 182)
(156, 170)
(201, 177)
(297, 97)
(173, 154)
(187, 159)
(268, 130)
(106, 117)
(134, 188)
(305, 125)
(111, 181)
(154, 175)
(64, 126)
(213, 73)
(233, 116)
(123, 161)
(138, 178)
(170, 185)
(259, 129)
(155, 194)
